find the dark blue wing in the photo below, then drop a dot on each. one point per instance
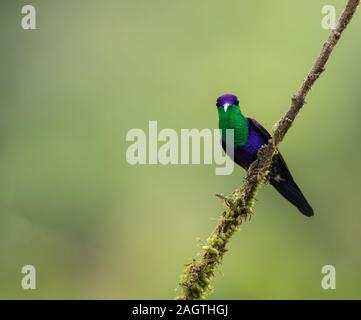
(257, 126)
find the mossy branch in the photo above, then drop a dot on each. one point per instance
(198, 275)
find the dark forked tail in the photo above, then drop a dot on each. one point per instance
(282, 180)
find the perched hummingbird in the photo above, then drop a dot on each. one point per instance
(249, 137)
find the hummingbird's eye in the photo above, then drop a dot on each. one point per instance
(218, 105)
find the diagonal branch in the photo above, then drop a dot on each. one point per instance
(198, 275)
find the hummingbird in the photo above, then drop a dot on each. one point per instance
(249, 137)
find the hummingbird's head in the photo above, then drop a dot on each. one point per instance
(226, 101)
(230, 117)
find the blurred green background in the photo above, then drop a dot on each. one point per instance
(95, 226)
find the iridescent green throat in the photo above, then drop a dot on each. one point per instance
(233, 119)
